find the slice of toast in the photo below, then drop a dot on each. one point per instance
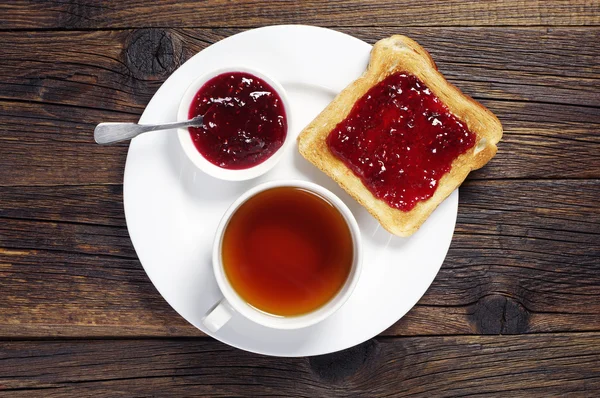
(388, 56)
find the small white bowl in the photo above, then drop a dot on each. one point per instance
(200, 161)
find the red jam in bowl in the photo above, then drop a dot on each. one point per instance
(400, 139)
(244, 120)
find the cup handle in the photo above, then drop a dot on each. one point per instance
(218, 316)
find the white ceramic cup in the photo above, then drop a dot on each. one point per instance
(231, 303)
(200, 161)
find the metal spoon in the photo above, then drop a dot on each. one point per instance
(107, 133)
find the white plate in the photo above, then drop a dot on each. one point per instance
(172, 209)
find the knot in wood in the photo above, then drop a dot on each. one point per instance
(499, 314)
(153, 53)
(342, 365)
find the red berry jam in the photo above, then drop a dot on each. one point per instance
(244, 120)
(400, 139)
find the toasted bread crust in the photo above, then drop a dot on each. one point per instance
(389, 56)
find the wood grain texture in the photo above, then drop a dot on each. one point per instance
(524, 259)
(532, 366)
(514, 311)
(541, 83)
(121, 70)
(117, 14)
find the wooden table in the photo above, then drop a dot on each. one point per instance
(514, 311)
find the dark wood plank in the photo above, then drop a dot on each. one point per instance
(61, 293)
(120, 70)
(92, 14)
(112, 71)
(533, 366)
(524, 259)
(63, 83)
(100, 205)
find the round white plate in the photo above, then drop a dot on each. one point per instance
(172, 209)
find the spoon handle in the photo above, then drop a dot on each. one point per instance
(107, 133)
